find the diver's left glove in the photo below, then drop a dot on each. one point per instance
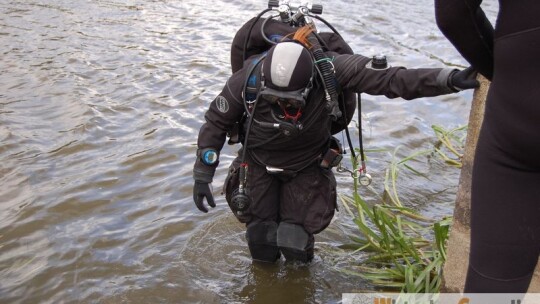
(203, 190)
(463, 80)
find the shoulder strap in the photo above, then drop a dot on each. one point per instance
(253, 79)
(249, 95)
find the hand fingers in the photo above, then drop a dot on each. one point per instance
(470, 73)
(210, 200)
(198, 198)
(474, 84)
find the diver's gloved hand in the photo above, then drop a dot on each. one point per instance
(463, 80)
(202, 190)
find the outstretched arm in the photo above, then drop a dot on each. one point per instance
(466, 26)
(353, 72)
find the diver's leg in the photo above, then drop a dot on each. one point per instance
(308, 202)
(261, 233)
(262, 241)
(295, 243)
(505, 225)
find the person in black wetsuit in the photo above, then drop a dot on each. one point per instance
(505, 198)
(288, 131)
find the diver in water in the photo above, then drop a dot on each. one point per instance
(505, 209)
(281, 185)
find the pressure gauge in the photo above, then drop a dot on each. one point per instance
(365, 179)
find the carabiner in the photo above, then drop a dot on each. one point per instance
(342, 169)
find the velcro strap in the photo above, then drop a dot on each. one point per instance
(331, 159)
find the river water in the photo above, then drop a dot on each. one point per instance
(100, 105)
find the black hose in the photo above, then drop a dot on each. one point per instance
(250, 121)
(246, 41)
(348, 135)
(360, 137)
(326, 23)
(328, 78)
(321, 41)
(244, 148)
(262, 30)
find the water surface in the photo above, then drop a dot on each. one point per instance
(100, 106)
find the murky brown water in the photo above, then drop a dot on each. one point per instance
(100, 104)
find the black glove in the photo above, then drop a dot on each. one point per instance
(200, 191)
(463, 80)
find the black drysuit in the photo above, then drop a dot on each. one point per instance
(505, 206)
(307, 197)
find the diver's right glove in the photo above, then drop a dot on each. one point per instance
(203, 173)
(463, 80)
(202, 190)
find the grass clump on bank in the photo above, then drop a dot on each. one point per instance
(406, 251)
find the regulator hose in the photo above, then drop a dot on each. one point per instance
(328, 77)
(246, 41)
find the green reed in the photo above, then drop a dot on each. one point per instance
(406, 251)
(451, 144)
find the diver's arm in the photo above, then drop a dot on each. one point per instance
(353, 73)
(225, 110)
(466, 26)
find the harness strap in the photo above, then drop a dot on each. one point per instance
(253, 81)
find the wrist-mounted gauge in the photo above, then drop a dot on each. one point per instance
(209, 156)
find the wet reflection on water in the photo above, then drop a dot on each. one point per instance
(100, 105)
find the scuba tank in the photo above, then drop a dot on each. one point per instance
(259, 34)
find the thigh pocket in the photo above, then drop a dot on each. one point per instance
(332, 187)
(318, 209)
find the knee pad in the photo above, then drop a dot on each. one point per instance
(295, 243)
(261, 238)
